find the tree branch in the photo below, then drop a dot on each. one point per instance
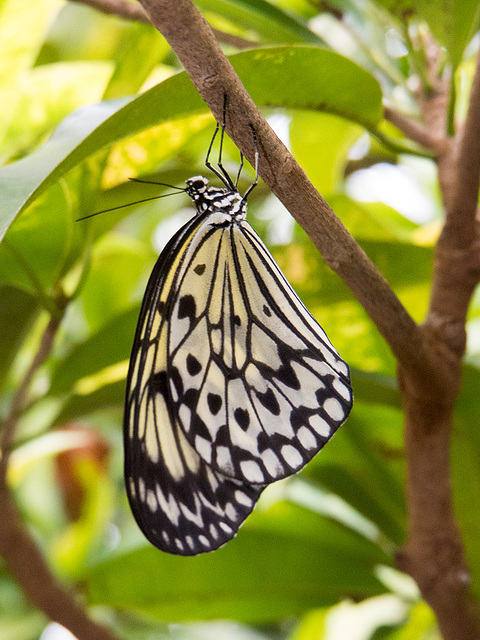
(21, 554)
(412, 129)
(20, 396)
(24, 560)
(434, 553)
(211, 73)
(130, 11)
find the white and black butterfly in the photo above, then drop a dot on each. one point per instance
(232, 384)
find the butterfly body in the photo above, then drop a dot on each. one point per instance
(232, 383)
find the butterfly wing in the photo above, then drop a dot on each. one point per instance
(181, 504)
(257, 387)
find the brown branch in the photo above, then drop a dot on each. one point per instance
(119, 8)
(25, 562)
(434, 553)
(211, 73)
(20, 396)
(412, 129)
(21, 554)
(131, 11)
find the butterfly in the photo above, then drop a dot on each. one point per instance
(232, 384)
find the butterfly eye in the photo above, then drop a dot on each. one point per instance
(232, 384)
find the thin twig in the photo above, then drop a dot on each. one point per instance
(411, 128)
(19, 550)
(132, 11)
(19, 398)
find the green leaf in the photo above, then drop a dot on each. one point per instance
(110, 345)
(294, 77)
(320, 143)
(51, 92)
(404, 265)
(281, 564)
(376, 388)
(17, 313)
(108, 396)
(364, 465)
(22, 29)
(270, 23)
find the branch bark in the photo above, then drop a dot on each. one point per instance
(19, 550)
(434, 554)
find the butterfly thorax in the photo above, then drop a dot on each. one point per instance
(216, 199)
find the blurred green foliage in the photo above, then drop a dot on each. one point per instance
(89, 101)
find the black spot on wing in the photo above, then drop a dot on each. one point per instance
(242, 417)
(187, 308)
(287, 375)
(214, 403)
(269, 401)
(193, 365)
(200, 269)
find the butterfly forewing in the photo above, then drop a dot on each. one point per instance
(181, 504)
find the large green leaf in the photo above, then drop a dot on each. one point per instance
(265, 19)
(303, 77)
(110, 345)
(281, 564)
(364, 464)
(404, 265)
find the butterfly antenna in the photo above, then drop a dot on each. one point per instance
(131, 204)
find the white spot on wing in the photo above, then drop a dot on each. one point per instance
(230, 512)
(152, 501)
(179, 544)
(320, 425)
(169, 507)
(204, 448)
(343, 390)
(242, 498)
(334, 409)
(306, 438)
(224, 460)
(141, 489)
(252, 471)
(204, 540)
(291, 456)
(272, 463)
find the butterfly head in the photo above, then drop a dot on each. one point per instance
(196, 187)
